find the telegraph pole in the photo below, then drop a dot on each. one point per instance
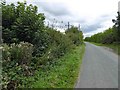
(48, 23)
(52, 26)
(79, 27)
(68, 25)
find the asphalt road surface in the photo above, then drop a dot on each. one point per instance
(99, 68)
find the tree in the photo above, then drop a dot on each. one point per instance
(117, 27)
(107, 36)
(110, 35)
(75, 35)
(22, 22)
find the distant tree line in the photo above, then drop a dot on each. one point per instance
(109, 36)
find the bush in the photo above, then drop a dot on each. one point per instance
(75, 35)
(19, 53)
(16, 62)
(56, 45)
(21, 22)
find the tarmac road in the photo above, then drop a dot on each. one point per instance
(99, 68)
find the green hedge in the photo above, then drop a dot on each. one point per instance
(16, 60)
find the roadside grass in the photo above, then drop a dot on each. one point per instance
(114, 46)
(63, 73)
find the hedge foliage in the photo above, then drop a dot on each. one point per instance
(29, 45)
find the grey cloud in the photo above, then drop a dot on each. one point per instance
(61, 13)
(55, 9)
(98, 24)
(91, 28)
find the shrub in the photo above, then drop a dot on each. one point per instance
(56, 45)
(16, 62)
(19, 53)
(75, 35)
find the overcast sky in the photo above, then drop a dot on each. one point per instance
(93, 15)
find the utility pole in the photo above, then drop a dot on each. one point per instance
(52, 26)
(79, 27)
(48, 23)
(68, 25)
(119, 6)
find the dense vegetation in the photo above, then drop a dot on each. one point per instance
(62, 74)
(109, 36)
(29, 46)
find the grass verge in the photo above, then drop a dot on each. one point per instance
(63, 73)
(115, 47)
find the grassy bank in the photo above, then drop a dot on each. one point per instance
(63, 73)
(115, 47)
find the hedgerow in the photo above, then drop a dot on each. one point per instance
(29, 45)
